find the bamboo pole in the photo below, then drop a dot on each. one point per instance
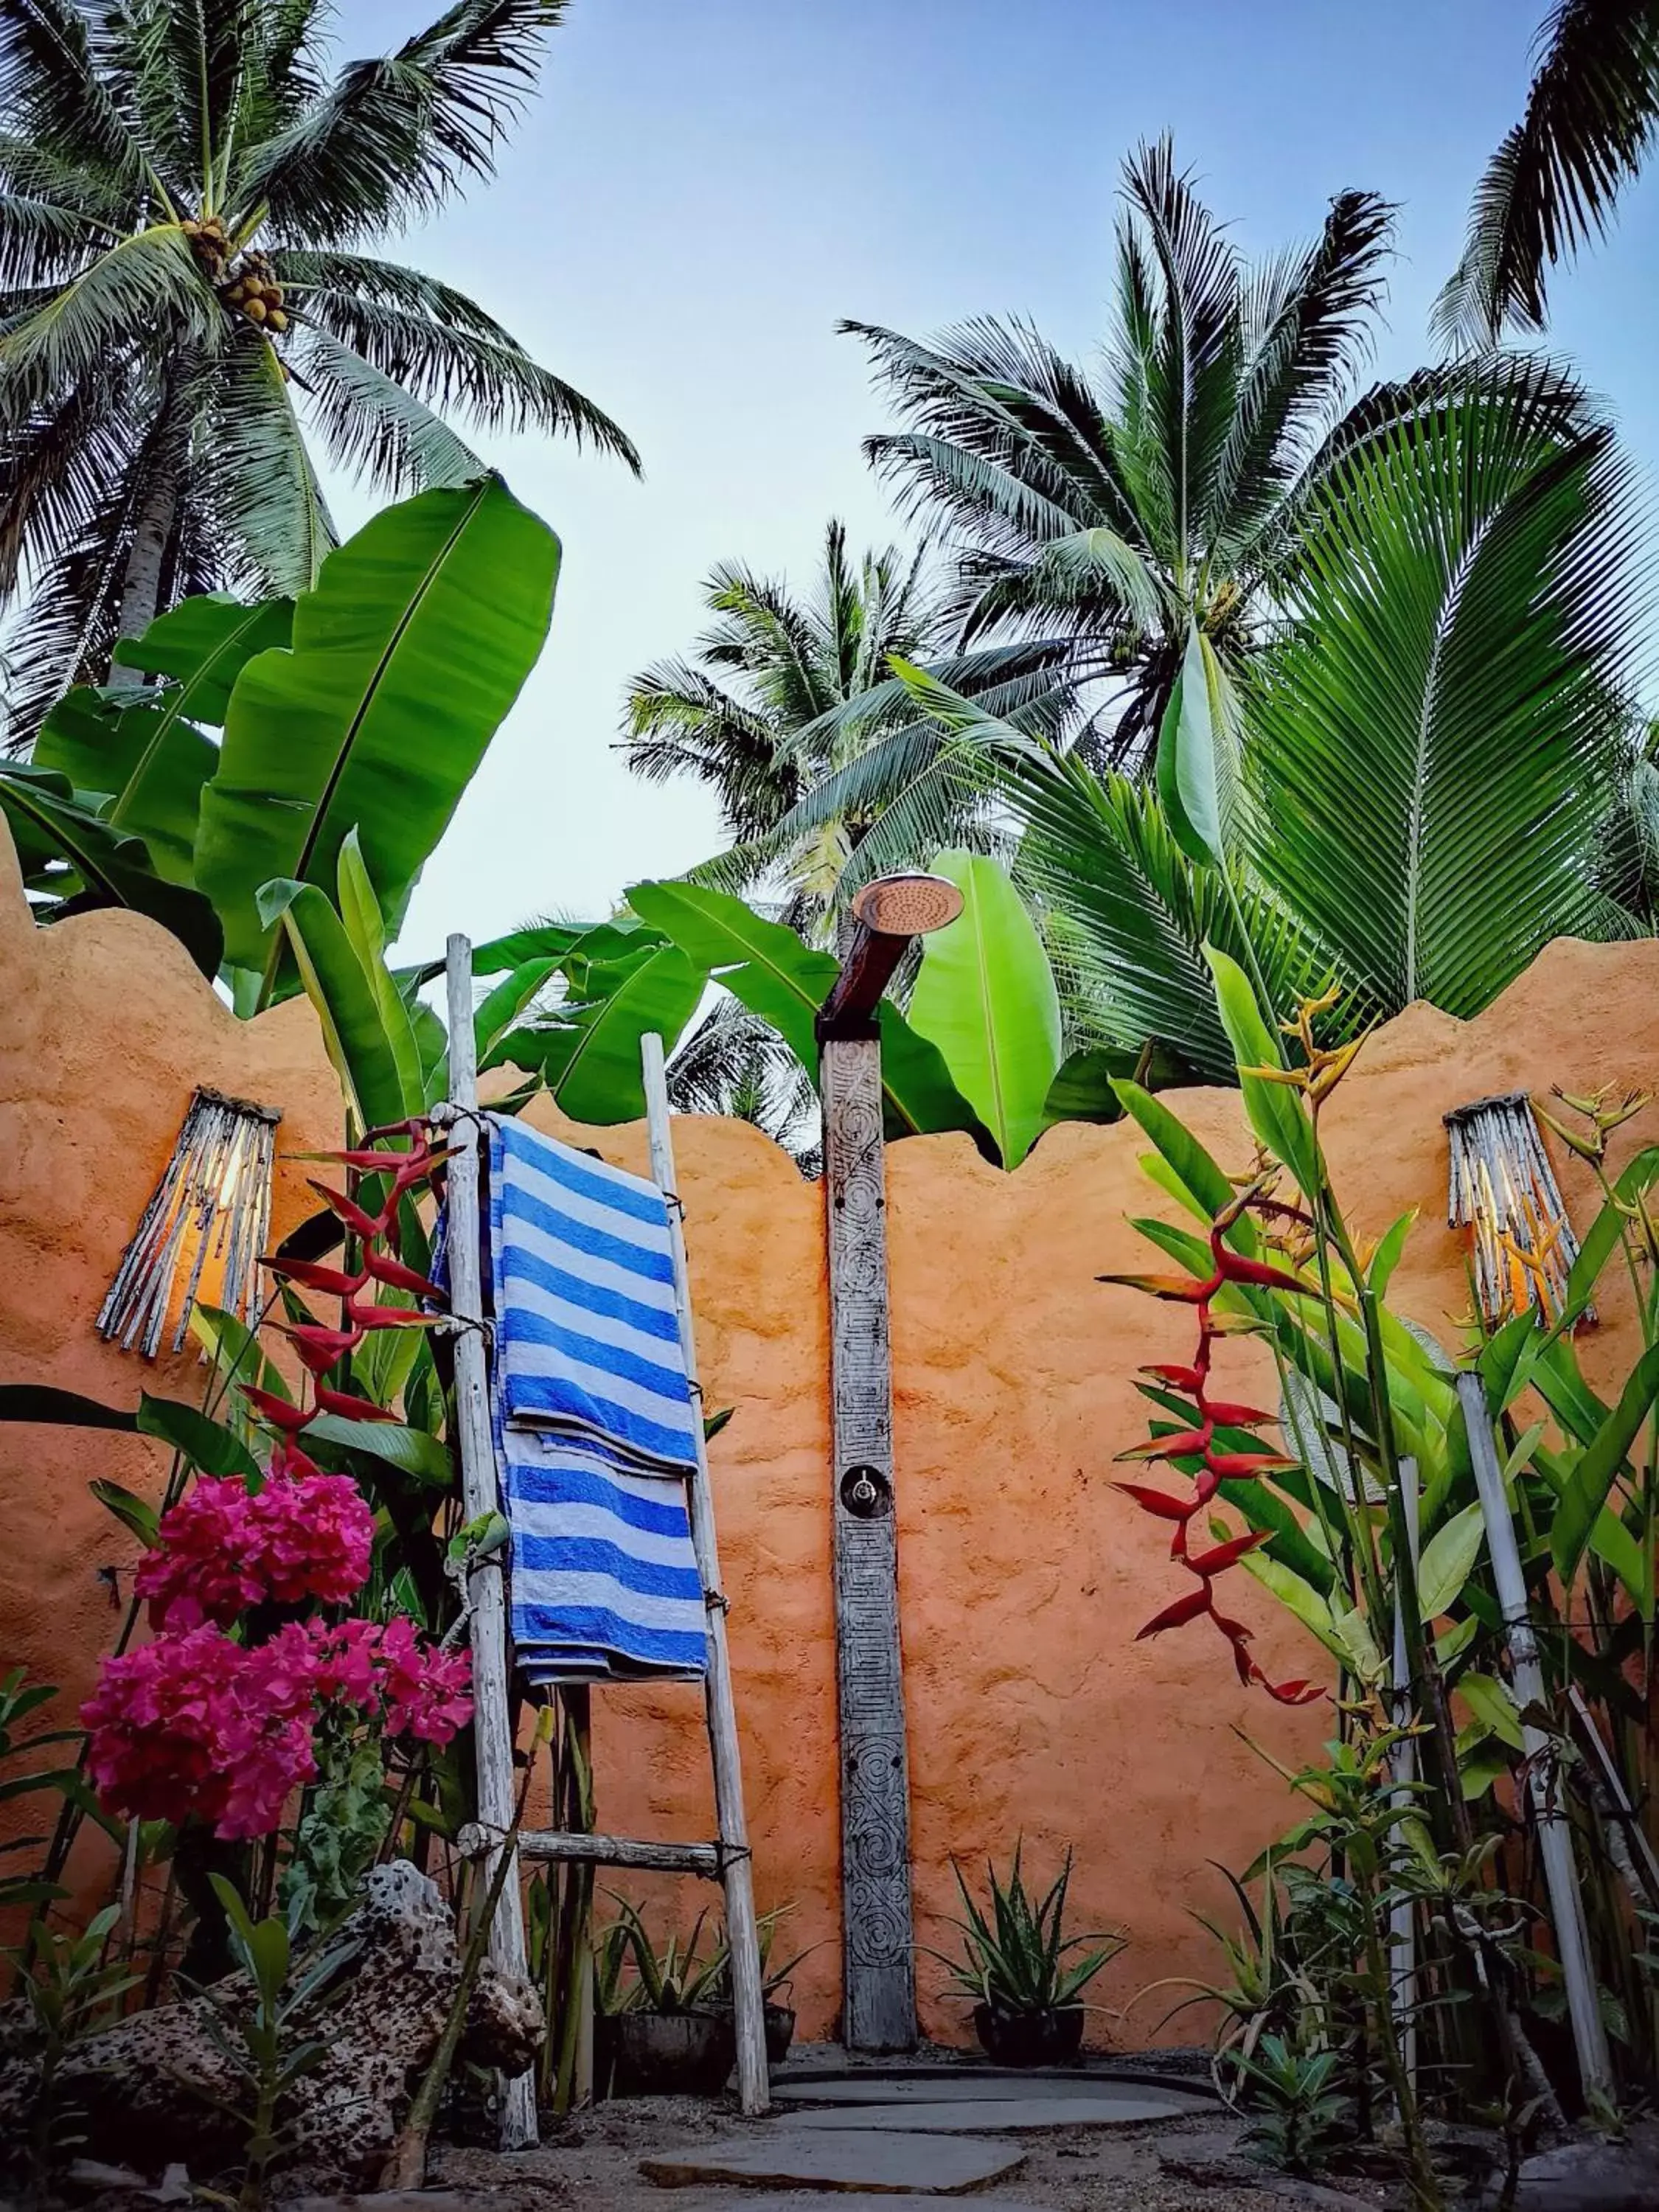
(1402, 1930)
(492, 1724)
(1543, 1765)
(743, 1935)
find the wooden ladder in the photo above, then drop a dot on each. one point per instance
(726, 1860)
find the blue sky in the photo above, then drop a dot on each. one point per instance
(702, 187)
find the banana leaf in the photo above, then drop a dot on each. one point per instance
(405, 658)
(985, 995)
(767, 967)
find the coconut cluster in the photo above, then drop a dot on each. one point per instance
(254, 292)
(209, 243)
(247, 286)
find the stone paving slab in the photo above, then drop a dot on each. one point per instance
(795, 2200)
(967, 2088)
(881, 2163)
(996, 2115)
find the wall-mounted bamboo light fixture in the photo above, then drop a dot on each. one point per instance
(1503, 1191)
(210, 1209)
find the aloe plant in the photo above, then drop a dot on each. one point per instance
(678, 1979)
(1018, 1958)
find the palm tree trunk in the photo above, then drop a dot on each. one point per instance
(148, 577)
(141, 585)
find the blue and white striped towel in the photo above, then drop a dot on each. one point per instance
(595, 1422)
(604, 1581)
(587, 1336)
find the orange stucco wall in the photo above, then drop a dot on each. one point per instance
(1023, 1575)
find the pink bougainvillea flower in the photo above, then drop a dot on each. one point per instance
(222, 1549)
(315, 1539)
(418, 1689)
(202, 1568)
(194, 1725)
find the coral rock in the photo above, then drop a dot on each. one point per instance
(143, 2086)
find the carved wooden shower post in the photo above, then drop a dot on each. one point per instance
(878, 1971)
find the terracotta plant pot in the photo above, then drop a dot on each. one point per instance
(1030, 2038)
(780, 2033)
(670, 2054)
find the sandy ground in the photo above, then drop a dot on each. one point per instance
(593, 2162)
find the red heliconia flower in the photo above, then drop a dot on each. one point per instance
(416, 1126)
(286, 1458)
(1184, 1443)
(332, 1282)
(348, 1409)
(276, 1410)
(362, 1317)
(1158, 1501)
(365, 1225)
(368, 1162)
(1243, 1467)
(1227, 1415)
(1177, 1615)
(397, 1276)
(1189, 1379)
(1293, 1693)
(1235, 1268)
(320, 1348)
(1197, 1441)
(1186, 1290)
(1226, 1555)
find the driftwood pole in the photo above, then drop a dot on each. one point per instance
(1544, 1775)
(492, 1724)
(879, 1989)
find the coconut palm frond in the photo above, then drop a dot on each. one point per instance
(1447, 709)
(1554, 183)
(393, 139)
(191, 194)
(255, 436)
(482, 374)
(784, 705)
(1120, 512)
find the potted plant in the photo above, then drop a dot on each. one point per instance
(1026, 1987)
(775, 1985)
(662, 2032)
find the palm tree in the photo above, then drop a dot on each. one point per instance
(1437, 763)
(733, 1063)
(190, 196)
(783, 691)
(1110, 517)
(1554, 183)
